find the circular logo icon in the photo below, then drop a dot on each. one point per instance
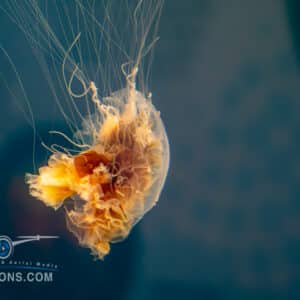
(6, 247)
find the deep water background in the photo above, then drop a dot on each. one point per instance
(226, 78)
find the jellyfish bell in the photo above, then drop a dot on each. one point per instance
(119, 170)
(118, 179)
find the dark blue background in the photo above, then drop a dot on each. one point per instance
(226, 78)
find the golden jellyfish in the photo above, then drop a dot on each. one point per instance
(119, 170)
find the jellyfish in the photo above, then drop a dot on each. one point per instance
(117, 172)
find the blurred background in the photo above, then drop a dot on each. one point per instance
(226, 78)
